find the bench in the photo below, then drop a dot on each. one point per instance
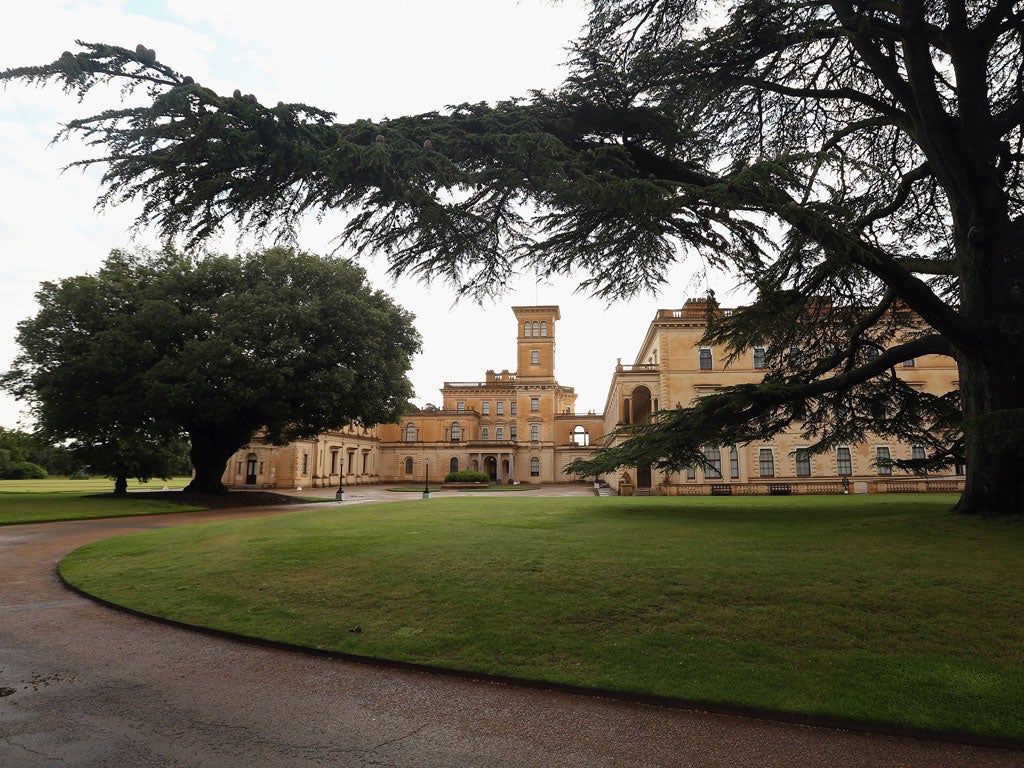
(721, 489)
(779, 489)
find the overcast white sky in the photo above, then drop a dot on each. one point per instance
(371, 58)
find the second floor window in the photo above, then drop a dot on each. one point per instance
(499, 433)
(759, 357)
(535, 432)
(705, 359)
(410, 433)
(485, 407)
(456, 432)
(512, 405)
(534, 404)
(460, 406)
(485, 433)
(501, 407)
(535, 356)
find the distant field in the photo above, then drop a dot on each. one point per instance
(882, 609)
(31, 501)
(92, 485)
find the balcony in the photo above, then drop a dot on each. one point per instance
(641, 368)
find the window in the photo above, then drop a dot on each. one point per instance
(334, 461)
(909, 363)
(512, 432)
(534, 432)
(883, 460)
(803, 462)
(485, 433)
(579, 435)
(408, 466)
(513, 405)
(534, 467)
(501, 407)
(460, 406)
(526, 329)
(691, 473)
(844, 462)
(794, 354)
(705, 359)
(305, 463)
(713, 471)
(534, 405)
(917, 454)
(485, 407)
(543, 328)
(499, 433)
(536, 328)
(456, 432)
(766, 462)
(453, 465)
(759, 357)
(366, 461)
(535, 356)
(410, 433)
(734, 463)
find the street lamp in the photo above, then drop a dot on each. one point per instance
(426, 479)
(340, 495)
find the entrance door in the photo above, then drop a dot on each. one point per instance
(643, 476)
(491, 468)
(250, 470)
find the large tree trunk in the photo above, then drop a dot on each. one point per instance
(209, 453)
(120, 484)
(993, 399)
(992, 371)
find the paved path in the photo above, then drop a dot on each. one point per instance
(97, 687)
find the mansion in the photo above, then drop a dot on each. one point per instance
(521, 426)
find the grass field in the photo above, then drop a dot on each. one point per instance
(32, 501)
(874, 608)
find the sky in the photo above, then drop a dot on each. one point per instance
(358, 59)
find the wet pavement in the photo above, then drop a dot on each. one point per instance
(94, 686)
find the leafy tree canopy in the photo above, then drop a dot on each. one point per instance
(857, 164)
(155, 346)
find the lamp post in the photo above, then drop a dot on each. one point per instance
(340, 495)
(426, 479)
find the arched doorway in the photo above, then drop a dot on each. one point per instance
(250, 469)
(491, 468)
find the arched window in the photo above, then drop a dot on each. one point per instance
(453, 465)
(408, 465)
(526, 329)
(579, 435)
(410, 433)
(534, 467)
(543, 328)
(456, 432)
(536, 328)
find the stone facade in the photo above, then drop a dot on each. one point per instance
(514, 426)
(673, 368)
(521, 426)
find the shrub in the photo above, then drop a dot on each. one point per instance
(24, 470)
(465, 476)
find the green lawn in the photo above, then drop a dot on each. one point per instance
(34, 501)
(880, 609)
